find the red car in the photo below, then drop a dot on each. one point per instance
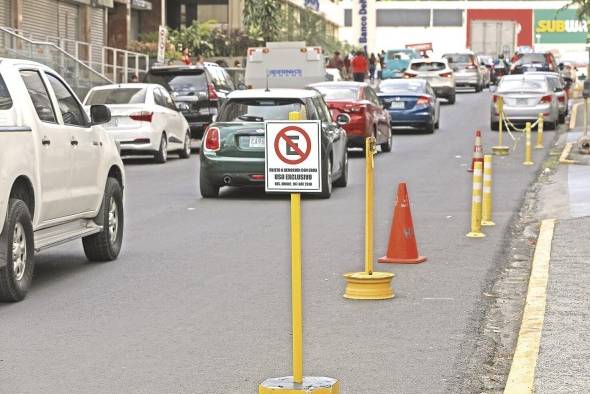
(367, 116)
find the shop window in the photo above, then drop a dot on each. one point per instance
(403, 17)
(348, 18)
(447, 18)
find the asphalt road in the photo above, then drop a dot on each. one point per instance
(199, 300)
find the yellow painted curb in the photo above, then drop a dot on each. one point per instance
(574, 115)
(563, 159)
(521, 378)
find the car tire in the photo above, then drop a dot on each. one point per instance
(561, 118)
(161, 156)
(451, 99)
(437, 124)
(326, 179)
(386, 146)
(16, 276)
(494, 126)
(430, 127)
(478, 88)
(342, 181)
(549, 125)
(185, 152)
(207, 189)
(106, 245)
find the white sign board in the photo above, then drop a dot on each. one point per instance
(293, 157)
(162, 37)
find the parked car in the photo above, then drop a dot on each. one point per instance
(367, 116)
(61, 176)
(524, 97)
(410, 103)
(396, 62)
(232, 152)
(466, 68)
(202, 88)
(438, 73)
(144, 119)
(556, 84)
(535, 61)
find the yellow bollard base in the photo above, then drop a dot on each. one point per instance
(363, 286)
(501, 150)
(527, 163)
(487, 223)
(538, 146)
(311, 384)
(474, 234)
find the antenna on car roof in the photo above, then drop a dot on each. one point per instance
(267, 89)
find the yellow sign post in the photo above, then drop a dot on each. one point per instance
(298, 383)
(528, 154)
(500, 149)
(540, 126)
(486, 205)
(369, 285)
(476, 197)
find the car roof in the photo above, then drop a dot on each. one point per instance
(21, 62)
(545, 73)
(403, 81)
(429, 60)
(173, 67)
(349, 84)
(126, 85)
(516, 77)
(273, 93)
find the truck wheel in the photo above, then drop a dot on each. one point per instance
(106, 245)
(185, 152)
(451, 99)
(343, 180)
(162, 154)
(16, 252)
(207, 189)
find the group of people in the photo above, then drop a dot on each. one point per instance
(358, 66)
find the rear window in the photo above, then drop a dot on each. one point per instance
(522, 85)
(458, 58)
(184, 83)
(5, 99)
(429, 66)
(530, 58)
(397, 55)
(339, 92)
(259, 110)
(117, 96)
(403, 85)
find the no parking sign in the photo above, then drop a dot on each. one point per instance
(293, 157)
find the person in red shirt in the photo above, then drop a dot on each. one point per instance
(186, 58)
(359, 66)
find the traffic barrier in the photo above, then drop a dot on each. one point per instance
(486, 205)
(476, 197)
(297, 383)
(500, 149)
(477, 150)
(540, 124)
(369, 285)
(402, 248)
(528, 154)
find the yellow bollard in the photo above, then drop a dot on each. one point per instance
(476, 202)
(369, 285)
(528, 153)
(540, 132)
(486, 205)
(500, 150)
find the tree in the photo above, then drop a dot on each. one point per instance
(583, 8)
(262, 19)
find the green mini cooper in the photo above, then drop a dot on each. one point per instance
(232, 151)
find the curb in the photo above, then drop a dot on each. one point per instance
(574, 115)
(563, 158)
(521, 378)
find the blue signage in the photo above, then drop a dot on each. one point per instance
(285, 73)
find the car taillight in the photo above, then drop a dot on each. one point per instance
(546, 99)
(212, 93)
(212, 139)
(142, 116)
(446, 74)
(423, 100)
(561, 99)
(408, 75)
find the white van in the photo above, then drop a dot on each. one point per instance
(285, 65)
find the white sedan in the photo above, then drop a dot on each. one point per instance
(144, 119)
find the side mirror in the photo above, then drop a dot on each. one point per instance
(182, 107)
(100, 114)
(586, 89)
(342, 119)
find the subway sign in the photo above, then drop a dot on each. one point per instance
(559, 27)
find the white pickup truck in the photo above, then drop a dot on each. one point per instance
(61, 175)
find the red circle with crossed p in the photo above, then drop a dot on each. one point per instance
(301, 155)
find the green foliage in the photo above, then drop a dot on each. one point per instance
(195, 37)
(583, 8)
(262, 19)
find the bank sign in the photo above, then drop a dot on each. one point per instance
(559, 27)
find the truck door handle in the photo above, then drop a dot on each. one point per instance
(45, 141)
(74, 141)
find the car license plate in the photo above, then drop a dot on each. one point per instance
(256, 142)
(522, 101)
(397, 105)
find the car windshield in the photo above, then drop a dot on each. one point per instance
(117, 96)
(522, 85)
(339, 92)
(259, 109)
(531, 58)
(5, 99)
(397, 55)
(185, 83)
(428, 66)
(389, 86)
(458, 58)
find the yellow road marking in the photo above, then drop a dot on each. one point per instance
(522, 372)
(574, 115)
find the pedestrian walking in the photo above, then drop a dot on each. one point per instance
(347, 65)
(336, 62)
(359, 66)
(372, 67)
(186, 57)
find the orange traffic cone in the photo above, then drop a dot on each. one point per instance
(402, 240)
(477, 151)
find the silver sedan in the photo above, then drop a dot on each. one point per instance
(524, 97)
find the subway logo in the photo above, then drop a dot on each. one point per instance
(561, 26)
